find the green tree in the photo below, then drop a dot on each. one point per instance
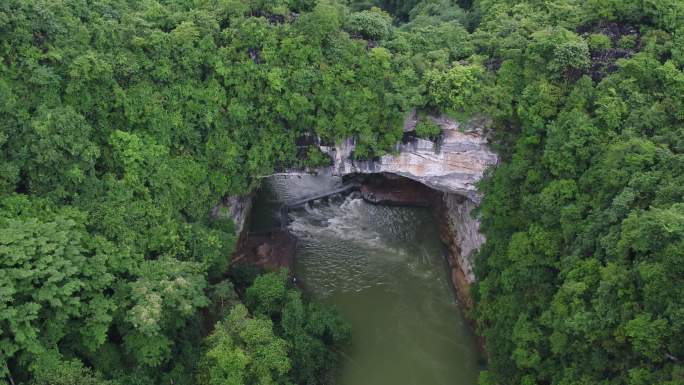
(267, 294)
(373, 24)
(57, 152)
(54, 281)
(243, 350)
(313, 332)
(427, 129)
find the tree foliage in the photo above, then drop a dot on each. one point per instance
(372, 24)
(577, 280)
(281, 340)
(122, 124)
(244, 350)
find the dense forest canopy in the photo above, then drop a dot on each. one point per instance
(122, 123)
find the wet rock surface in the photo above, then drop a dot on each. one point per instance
(459, 232)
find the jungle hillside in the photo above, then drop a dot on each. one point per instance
(123, 123)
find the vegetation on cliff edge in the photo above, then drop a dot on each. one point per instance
(123, 123)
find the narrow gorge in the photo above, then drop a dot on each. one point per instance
(441, 175)
(374, 238)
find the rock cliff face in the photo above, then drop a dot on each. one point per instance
(465, 230)
(460, 232)
(452, 166)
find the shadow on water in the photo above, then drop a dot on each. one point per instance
(383, 268)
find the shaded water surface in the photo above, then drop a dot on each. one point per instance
(383, 268)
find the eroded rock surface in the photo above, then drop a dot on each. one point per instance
(389, 189)
(453, 165)
(460, 232)
(465, 230)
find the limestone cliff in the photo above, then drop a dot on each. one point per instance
(460, 233)
(465, 230)
(453, 165)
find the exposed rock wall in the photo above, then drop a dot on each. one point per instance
(460, 233)
(453, 165)
(270, 251)
(465, 230)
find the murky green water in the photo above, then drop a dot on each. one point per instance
(382, 267)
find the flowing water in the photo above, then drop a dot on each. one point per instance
(383, 268)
